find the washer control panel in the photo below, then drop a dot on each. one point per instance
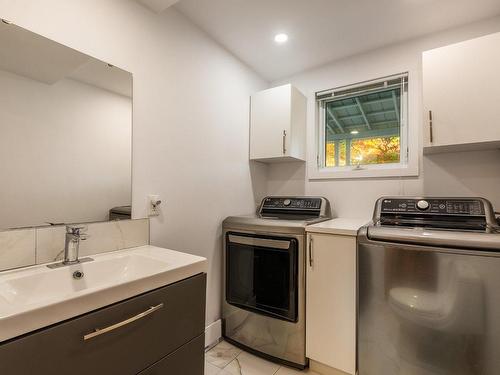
(435, 206)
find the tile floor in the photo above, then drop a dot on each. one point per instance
(226, 359)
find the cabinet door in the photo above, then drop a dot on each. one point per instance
(297, 138)
(187, 360)
(331, 301)
(270, 123)
(139, 339)
(461, 87)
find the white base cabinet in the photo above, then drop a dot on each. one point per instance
(461, 92)
(331, 301)
(278, 125)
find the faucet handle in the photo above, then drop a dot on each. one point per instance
(77, 230)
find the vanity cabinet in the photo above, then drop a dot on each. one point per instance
(461, 91)
(188, 359)
(331, 300)
(161, 329)
(278, 125)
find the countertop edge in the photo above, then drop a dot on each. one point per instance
(338, 226)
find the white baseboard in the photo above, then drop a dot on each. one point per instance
(213, 333)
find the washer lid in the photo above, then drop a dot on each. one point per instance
(455, 239)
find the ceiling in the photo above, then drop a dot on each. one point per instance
(323, 30)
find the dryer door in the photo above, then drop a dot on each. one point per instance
(261, 274)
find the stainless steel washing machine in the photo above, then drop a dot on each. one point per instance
(429, 288)
(264, 277)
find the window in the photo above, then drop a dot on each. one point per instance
(364, 126)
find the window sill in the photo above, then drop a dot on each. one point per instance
(372, 171)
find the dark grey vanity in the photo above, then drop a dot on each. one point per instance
(158, 332)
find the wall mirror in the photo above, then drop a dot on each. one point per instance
(65, 134)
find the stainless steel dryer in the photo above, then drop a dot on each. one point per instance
(264, 277)
(429, 288)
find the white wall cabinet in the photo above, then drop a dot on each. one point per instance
(278, 125)
(461, 89)
(331, 301)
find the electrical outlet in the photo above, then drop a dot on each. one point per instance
(154, 202)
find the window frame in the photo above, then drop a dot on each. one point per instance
(408, 165)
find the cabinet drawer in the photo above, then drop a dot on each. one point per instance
(187, 360)
(128, 349)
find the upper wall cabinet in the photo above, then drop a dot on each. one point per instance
(278, 125)
(461, 88)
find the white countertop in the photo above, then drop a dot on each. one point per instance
(35, 297)
(342, 226)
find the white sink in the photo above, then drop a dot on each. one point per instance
(35, 297)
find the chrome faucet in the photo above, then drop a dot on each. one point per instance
(74, 234)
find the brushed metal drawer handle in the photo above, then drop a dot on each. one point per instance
(102, 331)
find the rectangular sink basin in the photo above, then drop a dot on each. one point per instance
(35, 297)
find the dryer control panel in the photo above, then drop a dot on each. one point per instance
(294, 207)
(291, 203)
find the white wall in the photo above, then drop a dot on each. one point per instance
(472, 173)
(191, 105)
(190, 115)
(65, 151)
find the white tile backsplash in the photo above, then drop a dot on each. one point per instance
(115, 235)
(17, 248)
(102, 237)
(24, 247)
(49, 244)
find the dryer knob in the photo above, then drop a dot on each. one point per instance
(287, 202)
(422, 205)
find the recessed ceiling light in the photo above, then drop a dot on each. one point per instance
(354, 132)
(280, 38)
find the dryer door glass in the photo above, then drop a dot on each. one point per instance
(261, 274)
